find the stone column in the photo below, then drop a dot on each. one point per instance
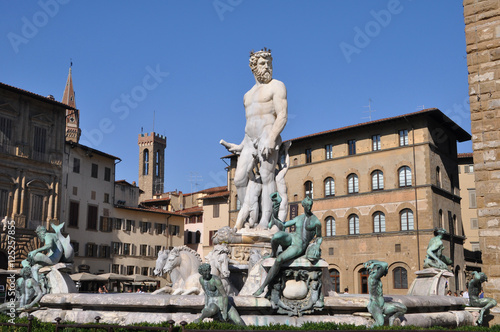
(17, 192)
(51, 199)
(482, 35)
(56, 200)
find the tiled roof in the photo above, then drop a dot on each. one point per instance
(221, 194)
(465, 155)
(192, 210)
(156, 200)
(34, 95)
(150, 209)
(124, 182)
(213, 190)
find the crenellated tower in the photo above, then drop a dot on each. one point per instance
(151, 164)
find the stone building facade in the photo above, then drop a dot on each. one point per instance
(482, 36)
(32, 136)
(380, 188)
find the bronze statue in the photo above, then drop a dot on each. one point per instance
(474, 300)
(216, 300)
(435, 257)
(294, 244)
(377, 306)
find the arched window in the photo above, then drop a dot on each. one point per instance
(377, 180)
(308, 188)
(438, 177)
(406, 217)
(330, 226)
(352, 184)
(404, 176)
(441, 219)
(329, 187)
(363, 280)
(378, 222)
(335, 275)
(157, 163)
(353, 224)
(400, 276)
(145, 165)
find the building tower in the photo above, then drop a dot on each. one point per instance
(151, 164)
(73, 130)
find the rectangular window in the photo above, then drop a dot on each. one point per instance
(115, 268)
(91, 250)
(403, 137)
(95, 171)
(376, 142)
(143, 250)
(397, 247)
(76, 165)
(107, 174)
(308, 156)
(75, 191)
(106, 224)
(352, 146)
(106, 198)
(92, 217)
(104, 251)
(157, 250)
(144, 226)
(144, 271)
(328, 151)
(216, 210)
(115, 247)
(210, 237)
(474, 224)
(126, 249)
(472, 199)
(5, 133)
(130, 224)
(39, 143)
(74, 208)
(174, 230)
(130, 270)
(330, 251)
(117, 223)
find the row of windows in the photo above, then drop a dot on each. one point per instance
(194, 219)
(107, 224)
(39, 139)
(131, 269)
(399, 279)
(378, 219)
(377, 177)
(94, 171)
(351, 146)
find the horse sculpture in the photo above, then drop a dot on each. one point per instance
(219, 261)
(182, 264)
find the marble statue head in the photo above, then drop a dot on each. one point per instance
(26, 272)
(261, 63)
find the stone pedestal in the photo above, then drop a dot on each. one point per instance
(58, 279)
(430, 281)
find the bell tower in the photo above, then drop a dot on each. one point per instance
(151, 164)
(73, 130)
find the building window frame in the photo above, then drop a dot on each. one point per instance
(352, 183)
(407, 220)
(400, 278)
(329, 187)
(376, 146)
(353, 220)
(379, 222)
(351, 147)
(328, 151)
(330, 227)
(377, 180)
(403, 137)
(405, 176)
(309, 189)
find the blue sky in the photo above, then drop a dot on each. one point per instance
(182, 66)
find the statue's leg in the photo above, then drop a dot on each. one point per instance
(267, 169)
(244, 166)
(209, 311)
(377, 314)
(486, 304)
(234, 317)
(290, 253)
(394, 310)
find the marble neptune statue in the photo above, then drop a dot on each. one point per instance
(266, 116)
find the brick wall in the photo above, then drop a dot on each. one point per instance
(482, 34)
